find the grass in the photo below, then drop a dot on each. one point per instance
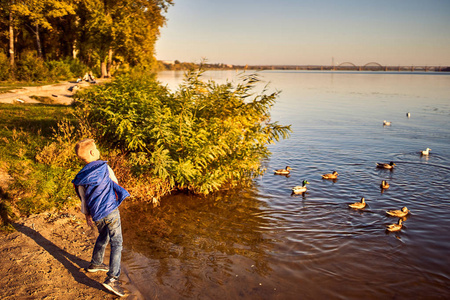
(40, 177)
(33, 118)
(43, 99)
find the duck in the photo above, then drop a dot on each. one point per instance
(386, 123)
(426, 152)
(333, 175)
(398, 213)
(384, 184)
(283, 171)
(300, 189)
(358, 205)
(395, 226)
(386, 166)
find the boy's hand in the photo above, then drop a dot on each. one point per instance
(89, 220)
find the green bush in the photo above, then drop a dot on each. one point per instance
(4, 67)
(66, 69)
(203, 137)
(77, 68)
(59, 69)
(31, 68)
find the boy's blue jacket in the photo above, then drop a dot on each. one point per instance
(101, 193)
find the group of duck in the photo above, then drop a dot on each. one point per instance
(401, 213)
(300, 189)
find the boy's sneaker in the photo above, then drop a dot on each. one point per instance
(113, 285)
(95, 268)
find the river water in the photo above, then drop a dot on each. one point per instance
(263, 243)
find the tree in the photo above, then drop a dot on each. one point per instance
(7, 28)
(123, 28)
(37, 14)
(11, 39)
(97, 32)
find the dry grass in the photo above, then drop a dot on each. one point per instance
(142, 188)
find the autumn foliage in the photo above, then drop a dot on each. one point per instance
(102, 34)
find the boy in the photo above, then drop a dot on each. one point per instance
(101, 195)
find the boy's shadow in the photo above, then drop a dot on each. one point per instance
(72, 263)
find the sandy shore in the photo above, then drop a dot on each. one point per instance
(45, 259)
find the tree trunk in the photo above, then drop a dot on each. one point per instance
(11, 40)
(110, 55)
(74, 49)
(103, 67)
(38, 41)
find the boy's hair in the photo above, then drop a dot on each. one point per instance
(83, 147)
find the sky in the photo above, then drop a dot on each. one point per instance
(307, 32)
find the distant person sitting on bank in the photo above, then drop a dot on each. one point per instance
(92, 78)
(86, 77)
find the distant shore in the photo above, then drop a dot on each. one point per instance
(346, 66)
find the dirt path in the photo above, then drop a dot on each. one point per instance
(45, 259)
(60, 93)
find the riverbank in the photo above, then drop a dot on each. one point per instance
(45, 259)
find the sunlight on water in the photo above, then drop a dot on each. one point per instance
(265, 243)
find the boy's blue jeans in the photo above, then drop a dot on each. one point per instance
(110, 230)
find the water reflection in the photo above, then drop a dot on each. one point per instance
(197, 237)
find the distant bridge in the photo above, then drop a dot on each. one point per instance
(374, 66)
(349, 66)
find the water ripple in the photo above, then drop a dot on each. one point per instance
(265, 243)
